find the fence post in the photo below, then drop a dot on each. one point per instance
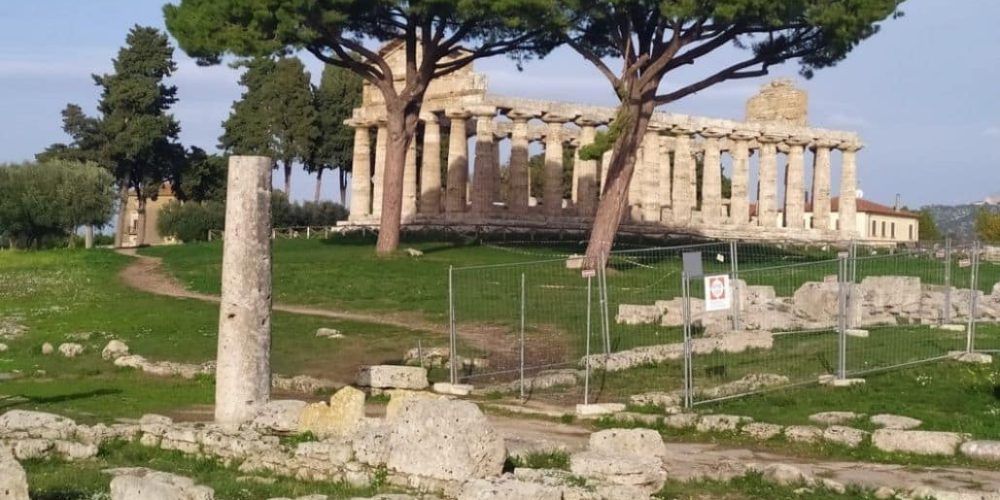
(522, 336)
(606, 322)
(734, 265)
(209, 235)
(453, 348)
(842, 321)
(850, 276)
(970, 334)
(586, 377)
(946, 317)
(686, 307)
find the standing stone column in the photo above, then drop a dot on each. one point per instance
(684, 194)
(458, 162)
(739, 204)
(552, 195)
(586, 198)
(650, 194)
(409, 208)
(848, 203)
(821, 183)
(767, 212)
(430, 169)
(485, 174)
(711, 177)
(243, 372)
(381, 140)
(518, 192)
(361, 171)
(795, 198)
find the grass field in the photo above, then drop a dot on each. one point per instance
(75, 296)
(84, 480)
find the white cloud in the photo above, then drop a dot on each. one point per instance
(992, 131)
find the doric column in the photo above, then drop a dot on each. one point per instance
(586, 192)
(739, 201)
(552, 195)
(361, 171)
(650, 195)
(430, 169)
(243, 372)
(381, 141)
(711, 177)
(821, 183)
(518, 188)
(458, 162)
(484, 175)
(767, 212)
(409, 207)
(795, 198)
(848, 208)
(684, 193)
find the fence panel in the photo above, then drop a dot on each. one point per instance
(789, 316)
(521, 329)
(645, 322)
(901, 308)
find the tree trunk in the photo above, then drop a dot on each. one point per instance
(319, 185)
(122, 207)
(88, 236)
(288, 179)
(615, 197)
(140, 237)
(343, 185)
(401, 124)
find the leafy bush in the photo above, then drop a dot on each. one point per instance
(191, 221)
(41, 204)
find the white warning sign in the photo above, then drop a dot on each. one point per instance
(718, 296)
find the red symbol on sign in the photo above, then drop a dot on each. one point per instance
(716, 289)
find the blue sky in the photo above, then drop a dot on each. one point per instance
(924, 94)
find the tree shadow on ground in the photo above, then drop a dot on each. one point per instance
(18, 400)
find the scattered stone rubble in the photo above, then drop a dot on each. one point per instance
(731, 342)
(440, 357)
(118, 352)
(876, 300)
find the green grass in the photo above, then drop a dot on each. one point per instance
(75, 296)
(752, 487)
(541, 460)
(83, 480)
(946, 396)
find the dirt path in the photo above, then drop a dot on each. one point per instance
(147, 274)
(692, 461)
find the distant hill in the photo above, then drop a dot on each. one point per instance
(958, 221)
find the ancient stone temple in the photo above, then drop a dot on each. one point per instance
(767, 159)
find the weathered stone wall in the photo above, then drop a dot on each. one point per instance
(779, 101)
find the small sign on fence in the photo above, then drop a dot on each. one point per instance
(965, 262)
(691, 262)
(717, 293)
(588, 273)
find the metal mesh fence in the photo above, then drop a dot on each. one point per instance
(522, 329)
(637, 330)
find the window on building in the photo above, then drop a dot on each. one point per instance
(874, 228)
(910, 237)
(883, 229)
(892, 230)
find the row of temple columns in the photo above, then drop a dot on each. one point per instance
(366, 187)
(664, 185)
